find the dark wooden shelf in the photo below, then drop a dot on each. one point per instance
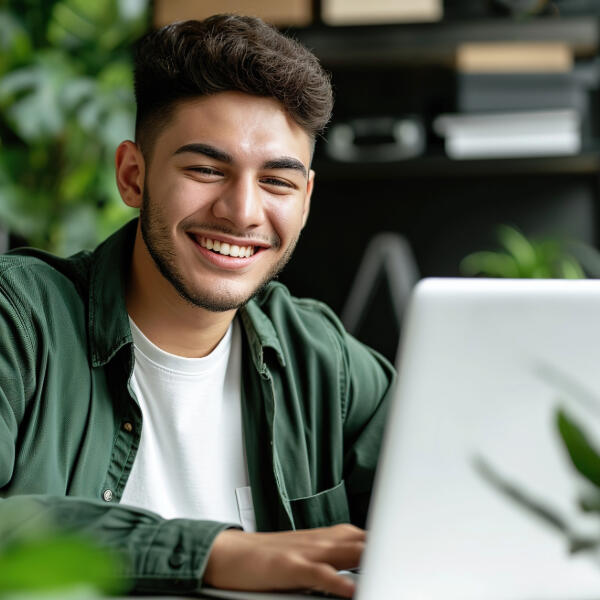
(436, 42)
(439, 165)
(368, 48)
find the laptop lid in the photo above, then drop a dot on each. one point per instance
(472, 445)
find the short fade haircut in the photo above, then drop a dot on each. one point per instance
(190, 59)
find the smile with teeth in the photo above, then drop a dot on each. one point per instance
(226, 249)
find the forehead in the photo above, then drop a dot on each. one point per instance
(242, 125)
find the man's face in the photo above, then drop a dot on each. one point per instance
(226, 195)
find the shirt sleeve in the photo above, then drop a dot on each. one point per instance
(370, 380)
(159, 555)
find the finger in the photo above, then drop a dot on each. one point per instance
(344, 531)
(348, 532)
(325, 578)
(341, 555)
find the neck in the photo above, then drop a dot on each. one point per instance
(165, 318)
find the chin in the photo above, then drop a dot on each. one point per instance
(222, 300)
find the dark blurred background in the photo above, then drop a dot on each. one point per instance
(452, 118)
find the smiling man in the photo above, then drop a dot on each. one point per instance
(162, 393)
(223, 199)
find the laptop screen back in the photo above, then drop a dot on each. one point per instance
(473, 446)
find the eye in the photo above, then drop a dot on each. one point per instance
(275, 181)
(206, 172)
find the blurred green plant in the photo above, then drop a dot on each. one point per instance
(66, 102)
(548, 258)
(38, 560)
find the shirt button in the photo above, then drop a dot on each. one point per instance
(107, 495)
(176, 560)
(128, 427)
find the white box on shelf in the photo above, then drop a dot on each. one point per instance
(358, 12)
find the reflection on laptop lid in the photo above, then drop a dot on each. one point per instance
(476, 496)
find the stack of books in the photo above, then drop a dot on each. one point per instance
(511, 134)
(515, 100)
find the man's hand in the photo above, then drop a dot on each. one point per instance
(305, 559)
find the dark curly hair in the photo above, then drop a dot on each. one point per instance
(226, 53)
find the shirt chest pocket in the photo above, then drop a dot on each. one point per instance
(329, 507)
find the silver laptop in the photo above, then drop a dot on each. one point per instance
(475, 496)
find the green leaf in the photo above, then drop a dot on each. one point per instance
(76, 230)
(75, 184)
(521, 257)
(590, 504)
(117, 76)
(19, 213)
(57, 562)
(116, 127)
(65, 109)
(585, 255)
(583, 455)
(569, 268)
(490, 264)
(104, 24)
(77, 90)
(90, 113)
(518, 246)
(539, 271)
(69, 27)
(34, 96)
(15, 45)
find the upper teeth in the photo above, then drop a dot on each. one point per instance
(227, 249)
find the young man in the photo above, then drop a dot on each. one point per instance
(259, 412)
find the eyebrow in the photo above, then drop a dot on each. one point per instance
(206, 150)
(284, 162)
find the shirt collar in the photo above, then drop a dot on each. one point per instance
(260, 332)
(108, 322)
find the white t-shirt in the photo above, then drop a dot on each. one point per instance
(191, 462)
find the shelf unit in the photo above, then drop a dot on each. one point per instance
(445, 208)
(435, 43)
(439, 165)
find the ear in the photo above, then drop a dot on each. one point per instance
(309, 190)
(130, 170)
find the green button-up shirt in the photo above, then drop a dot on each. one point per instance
(313, 409)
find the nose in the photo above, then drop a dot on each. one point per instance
(240, 203)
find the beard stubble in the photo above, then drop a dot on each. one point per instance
(162, 250)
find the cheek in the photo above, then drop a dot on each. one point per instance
(286, 219)
(176, 199)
